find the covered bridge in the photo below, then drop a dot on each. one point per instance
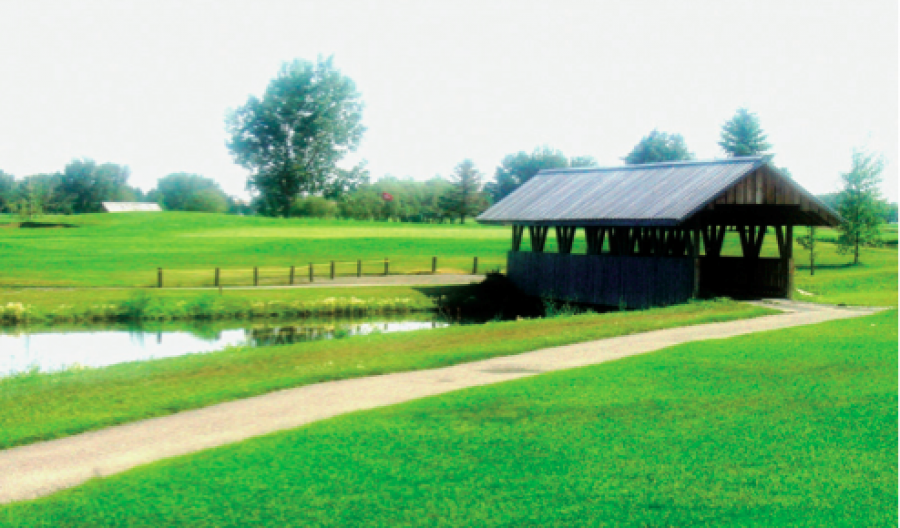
(654, 233)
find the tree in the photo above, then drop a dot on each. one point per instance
(582, 161)
(808, 243)
(292, 138)
(516, 169)
(465, 198)
(7, 191)
(85, 184)
(860, 204)
(742, 135)
(182, 191)
(658, 147)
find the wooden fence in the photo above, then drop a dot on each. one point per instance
(322, 271)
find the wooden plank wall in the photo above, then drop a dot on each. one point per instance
(630, 281)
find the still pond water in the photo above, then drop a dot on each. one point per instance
(51, 349)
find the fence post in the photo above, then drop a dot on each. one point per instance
(359, 268)
(291, 281)
(217, 277)
(332, 270)
(255, 276)
(159, 278)
(475, 267)
(386, 266)
(310, 272)
(433, 265)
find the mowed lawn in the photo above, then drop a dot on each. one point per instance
(126, 249)
(795, 427)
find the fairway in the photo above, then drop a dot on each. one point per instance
(125, 250)
(792, 427)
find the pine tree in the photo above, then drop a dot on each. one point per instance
(860, 204)
(465, 197)
(742, 135)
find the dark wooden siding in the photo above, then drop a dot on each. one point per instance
(742, 277)
(632, 281)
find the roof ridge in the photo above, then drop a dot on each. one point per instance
(662, 164)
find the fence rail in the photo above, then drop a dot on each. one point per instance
(323, 271)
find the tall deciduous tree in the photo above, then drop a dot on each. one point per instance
(465, 198)
(292, 138)
(742, 135)
(657, 147)
(860, 204)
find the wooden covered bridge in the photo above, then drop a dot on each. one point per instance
(654, 233)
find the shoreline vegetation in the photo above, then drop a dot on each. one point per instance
(143, 306)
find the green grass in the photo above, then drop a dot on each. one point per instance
(126, 249)
(873, 282)
(796, 427)
(37, 406)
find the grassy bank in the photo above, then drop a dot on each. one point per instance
(47, 306)
(43, 406)
(796, 427)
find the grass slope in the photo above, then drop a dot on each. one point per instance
(43, 406)
(795, 427)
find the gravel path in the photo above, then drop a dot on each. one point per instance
(40, 469)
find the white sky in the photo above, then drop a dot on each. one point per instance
(147, 84)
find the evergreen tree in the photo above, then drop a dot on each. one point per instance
(657, 147)
(465, 198)
(860, 204)
(742, 135)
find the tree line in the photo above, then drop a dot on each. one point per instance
(83, 185)
(293, 138)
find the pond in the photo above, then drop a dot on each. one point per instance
(55, 348)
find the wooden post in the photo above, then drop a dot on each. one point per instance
(332, 270)
(311, 272)
(159, 278)
(475, 266)
(789, 253)
(359, 268)
(255, 276)
(434, 264)
(695, 253)
(217, 277)
(291, 280)
(386, 267)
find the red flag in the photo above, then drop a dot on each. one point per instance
(388, 197)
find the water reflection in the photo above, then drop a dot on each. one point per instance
(50, 349)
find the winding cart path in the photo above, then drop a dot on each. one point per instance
(40, 469)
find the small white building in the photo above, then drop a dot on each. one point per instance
(131, 207)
